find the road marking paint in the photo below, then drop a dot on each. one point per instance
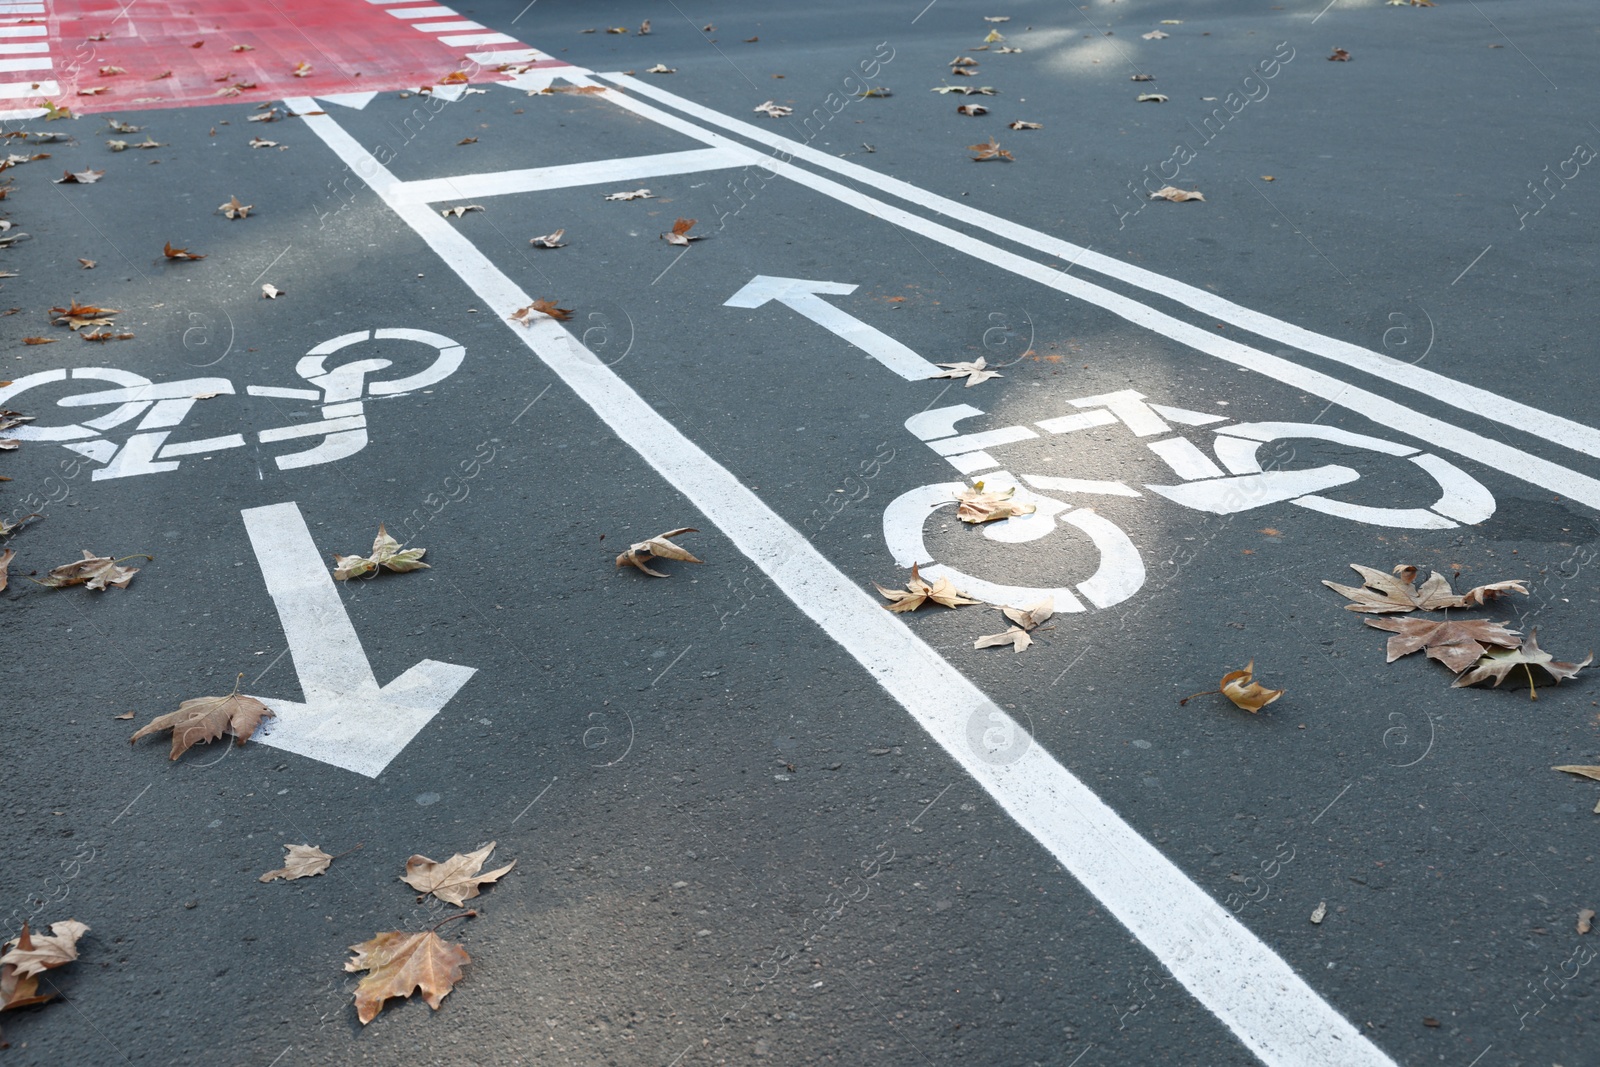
(35, 63)
(448, 27)
(420, 12)
(15, 49)
(564, 176)
(347, 719)
(803, 296)
(1380, 409)
(1269, 1007)
(479, 38)
(1480, 402)
(19, 90)
(24, 31)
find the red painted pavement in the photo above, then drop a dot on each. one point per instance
(350, 46)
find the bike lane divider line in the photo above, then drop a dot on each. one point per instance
(1380, 409)
(1470, 398)
(566, 175)
(1274, 1012)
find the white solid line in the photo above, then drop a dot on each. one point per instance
(1255, 993)
(1480, 402)
(21, 89)
(30, 46)
(430, 12)
(35, 63)
(1379, 409)
(447, 27)
(478, 38)
(564, 176)
(24, 31)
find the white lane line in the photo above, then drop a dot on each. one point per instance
(1269, 1007)
(24, 31)
(1480, 402)
(421, 12)
(32, 63)
(478, 38)
(18, 90)
(564, 176)
(1380, 409)
(14, 49)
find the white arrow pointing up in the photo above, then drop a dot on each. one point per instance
(802, 296)
(346, 720)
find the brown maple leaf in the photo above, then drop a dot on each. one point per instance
(973, 371)
(980, 505)
(301, 861)
(235, 210)
(1587, 772)
(1033, 615)
(456, 879)
(1242, 688)
(82, 177)
(549, 240)
(546, 308)
(5, 564)
(918, 592)
(1016, 637)
(988, 150)
(204, 719)
(386, 554)
(455, 77)
(680, 233)
(398, 964)
(640, 553)
(33, 954)
(1381, 593)
(1455, 643)
(82, 315)
(1497, 663)
(95, 572)
(180, 253)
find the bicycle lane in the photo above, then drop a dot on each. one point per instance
(633, 778)
(682, 399)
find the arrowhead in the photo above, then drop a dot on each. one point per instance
(363, 731)
(763, 288)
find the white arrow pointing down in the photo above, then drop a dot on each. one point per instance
(802, 296)
(346, 720)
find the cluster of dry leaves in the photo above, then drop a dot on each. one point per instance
(1477, 650)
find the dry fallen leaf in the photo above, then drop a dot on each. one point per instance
(95, 572)
(1587, 772)
(180, 253)
(467, 140)
(386, 554)
(455, 77)
(918, 592)
(1252, 696)
(1142, 78)
(123, 127)
(88, 264)
(1455, 643)
(299, 861)
(773, 110)
(997, 18)
(660, 546)
(5, 563)
(242, 48)
(680, 233)
(270, 291)
(549, 240)
(1006, 49)
(979, 505)
(546, 308)
(262, 142)
(456, 879)
(235, 210)
(91, 90)
(644, 28)
(973, 110)
(29, 955)
(1033, 615)
(875, 92)
(40, 340)
(963, 72)
(637, 194)
(1497, 663)
(988, 150)
(302, 70)
(1155, 35)
(963, 61)
(1381, 592)
(82, 177)
(661, 68)
(1020, 125)
(1320, 912)
(269, 115)
(616, 29)
(126, 715)
(460, 210)
(1016, 637)
(1340, 56)
(993, 36)
(1150, 98)
(1585, 920)
(204, 719)
(78, 315)
(398, 964)
(974, 372)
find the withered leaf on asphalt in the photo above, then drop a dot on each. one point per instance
(985, 505)
(1155, 35)
(242, 48)
(180, 253)
(644, 28)
(1241, 688)
(918, 592)
(1176, 195)
(29, 955)
(467, 140)
(973, 110)
(398, 964)
(875, 92)
(386, 555)
(269, 115)
(680, 233)
(5, 564)
(636, 194)
(1455, 643)
(123, 127)
(299, 861)
(963, 72)
(661, 68)
(577, 90)
(82, 177)
(640, 553)
(988, 150)
(78, 315)
(974, 371)
(1585, 921)
(105, 335)
(544, 308)
(1033, 615)
(773, 110)
(95, 572)
(1151, 98)
(460, 210)
(963, 61)
(88, 264)
(549, 240)
(1020, 125)
(1380, 593)
(616, 29)
(1016, 637)
(456, 879)
(1340, 56)
(965, 90)
(40, 340)
(1497, 663)
(54, 111)
(235, 210)
(262, 142)
(455, 77)
(992, 36)
(270, 291)
(1006, 49)
(1142, 78)
(204, 719)
(1587, 772)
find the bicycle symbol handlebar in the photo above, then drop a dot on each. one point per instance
(164, 406)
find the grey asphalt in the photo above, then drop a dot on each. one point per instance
(731, 844)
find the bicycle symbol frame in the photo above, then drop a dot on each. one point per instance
(164, 405)
(1240, 483)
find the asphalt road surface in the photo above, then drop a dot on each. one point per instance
(754, 816)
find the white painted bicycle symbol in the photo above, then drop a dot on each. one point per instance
(161, 407)
(1239, 484)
